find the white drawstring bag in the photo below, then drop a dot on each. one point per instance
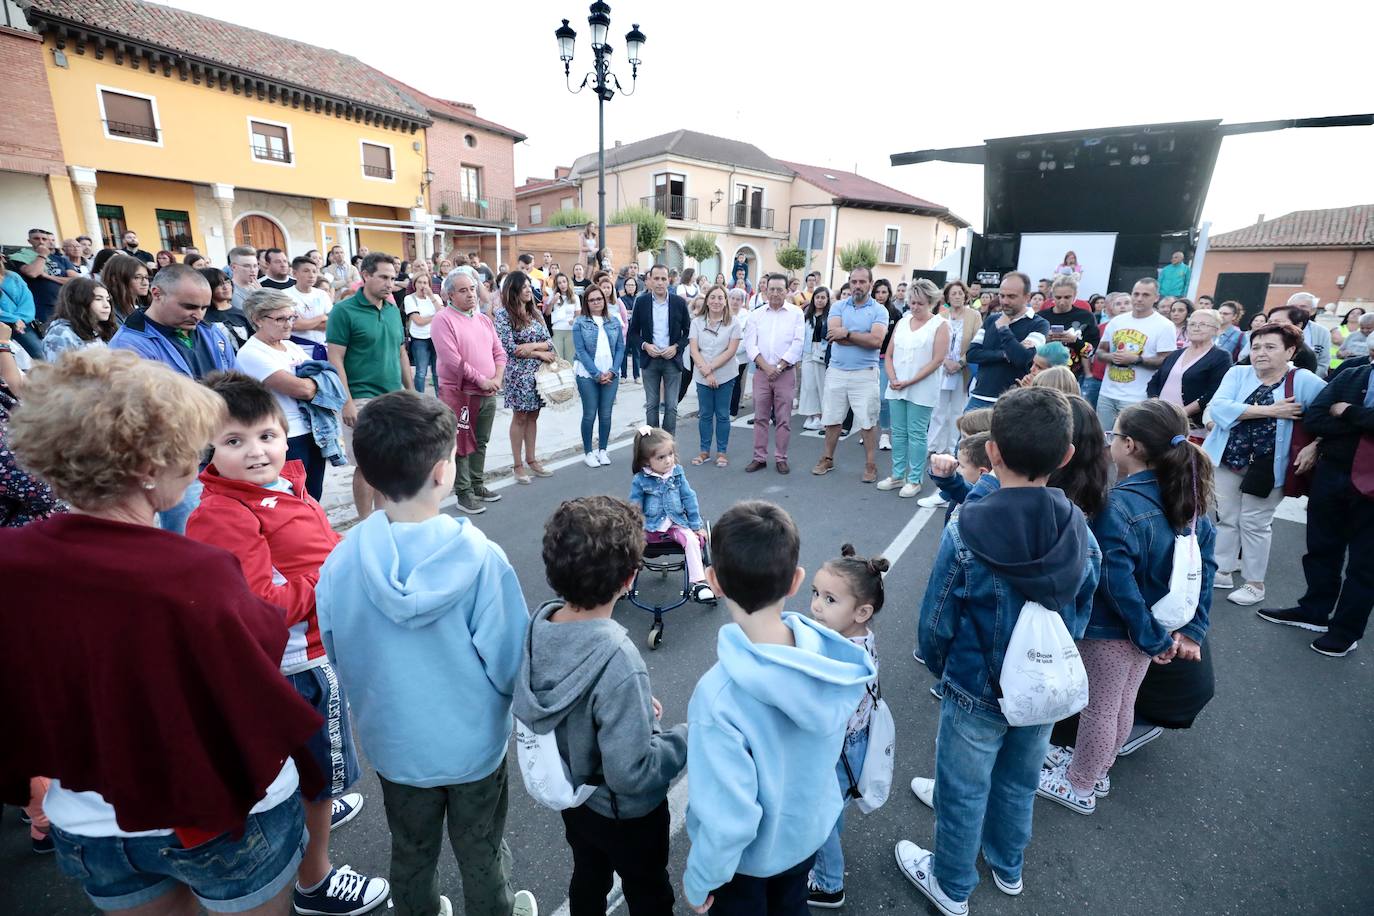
(1177, 608)
(1043, 679)
(875, 779)
(546, 776)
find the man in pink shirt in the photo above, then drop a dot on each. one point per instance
(773, 340)
(472, 363)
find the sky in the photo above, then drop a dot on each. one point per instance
(846, 85)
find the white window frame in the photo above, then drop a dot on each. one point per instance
(536, 210)
(100, 91)
(290, 143)
(362, 160)
(896, 246)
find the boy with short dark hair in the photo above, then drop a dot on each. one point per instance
(584, 680)
(766, 724)
(427, 613)
(1021, 542)
(255, 506)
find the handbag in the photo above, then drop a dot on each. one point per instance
(1362, 468)
(1295, 484)
(555, 382)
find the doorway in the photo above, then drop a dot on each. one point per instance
(260, 232)
(1249, 289)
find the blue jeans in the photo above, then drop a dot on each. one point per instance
(884, 406)
(422, 359)
(827, 872)
(910, 422)
(986, 774)
(29, 340)
(1089, 387)
(307, 452)
(174, 519)
(976, 404)
(713, 409)
(666, 372)
(597, 401)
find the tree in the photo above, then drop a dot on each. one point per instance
(570, 217)
(650, 227)
(700, 245)
(862, 253)
(791, 257)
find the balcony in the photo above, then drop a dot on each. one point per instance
(271, 154)
(453, 205)
(894, 254)
(378, 171)
(743, 216)
(132, 131)
(672, 206)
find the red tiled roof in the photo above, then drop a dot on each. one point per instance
(457, 111)
(1343, 227)
(853, 188)
(328, 72)
(532, 186)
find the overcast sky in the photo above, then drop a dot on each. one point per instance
(848, 84)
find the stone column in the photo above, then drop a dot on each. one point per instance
(424, 232)
(85, 182)
(338, 211)
(224, 198)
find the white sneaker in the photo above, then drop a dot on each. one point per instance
(888, 483)
(935, 500)
(884, 443)
(1055, 785)
(925, 790)
(524, 904)
(1007, 887)
(1222, 580)
(1246, 595)
(915, 865)
(1057, 757)
(910, 490)
(602, 458)
(590, 461)
(812, 423)
(445, 906)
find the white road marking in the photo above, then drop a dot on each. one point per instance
(1292, 509)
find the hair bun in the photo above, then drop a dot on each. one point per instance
(879, 564)
(847, 550)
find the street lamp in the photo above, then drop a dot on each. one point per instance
(601, 79)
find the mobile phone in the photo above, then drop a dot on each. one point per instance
(1056, 329)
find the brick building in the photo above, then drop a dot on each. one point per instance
(538, 198)
(1329, 253)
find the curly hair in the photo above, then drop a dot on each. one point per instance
(592, 545)
(98, 421)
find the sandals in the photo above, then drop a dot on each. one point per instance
(538, 470)
(520, 477)
(702, 458)
(722, 461)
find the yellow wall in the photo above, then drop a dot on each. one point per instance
(141, 198)
(205, 137)
(66, 208)
(390, 242)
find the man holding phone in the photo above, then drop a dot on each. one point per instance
(1072, 324)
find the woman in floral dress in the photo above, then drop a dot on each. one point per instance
(527, 343)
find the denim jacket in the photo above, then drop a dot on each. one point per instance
(584, 333)
(1137, 560)
(322, 411)
(969, 612)
(671, 498)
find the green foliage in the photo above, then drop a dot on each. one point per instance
(700, 245)
(572, 217)
(791, 257)
(650, 227)
(862, 253)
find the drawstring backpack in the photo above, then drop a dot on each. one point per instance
(1177, 608)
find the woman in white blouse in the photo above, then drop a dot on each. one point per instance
(919, 346)
(564, 305)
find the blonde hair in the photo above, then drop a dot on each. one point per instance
(926, 290)
(975, 421)
(1213, 315)
(1060, 378)
(98, 422)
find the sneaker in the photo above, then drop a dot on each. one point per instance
(702, 592)
(343, 893)
(1057, 757)
(344, 809)
(813, 423)
(915, 865)
(933, 501)
(1292, 617)
(1246, 595)
(445, 906)
(24, 818)
(524, 905)
(884, 443)
(1223, 580)
(486, 495)
(824, 900)
(469, 504)
(935, 692)
(1141, 735)
(1055, 785)
(1010, 888)
(602, 458)
(910, 490)
(590, 461)
(1330, 645)
(925, 790)
(889, 483)
(42, 847)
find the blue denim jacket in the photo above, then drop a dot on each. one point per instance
(1137, 560)
(672, 498)
(969, 612)
(584, 331)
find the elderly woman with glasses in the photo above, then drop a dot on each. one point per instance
(1190, 376)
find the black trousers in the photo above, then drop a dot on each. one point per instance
(634, 848)
(781, 895)
(1340, 525)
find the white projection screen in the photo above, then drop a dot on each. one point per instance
(1042, 252)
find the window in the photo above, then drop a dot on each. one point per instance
(670, 191)
(470, 182)
(892, 238)
(271, 142)
(112, 225)
(470, 140)
(536, 214)
(174, 228)
(1288, 275)
(377, 162)
(565, 204)
(749, 212)
(811, 236)
(129, 117)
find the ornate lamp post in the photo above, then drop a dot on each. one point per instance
(601, 79)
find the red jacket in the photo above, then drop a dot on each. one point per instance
(280, 539)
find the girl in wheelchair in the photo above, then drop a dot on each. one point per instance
(669, 504)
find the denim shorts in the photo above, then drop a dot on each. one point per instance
(332, 746)
(227, 875)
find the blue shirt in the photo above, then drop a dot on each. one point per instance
(660, 316)
(858, 319)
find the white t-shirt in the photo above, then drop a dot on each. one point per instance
(425, 308)
(1149, 336)
(311, 304)
(563, 313)
(259, 360)
(910, 351)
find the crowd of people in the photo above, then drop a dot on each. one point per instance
(1021, 416)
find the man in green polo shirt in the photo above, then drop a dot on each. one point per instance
(366, 343)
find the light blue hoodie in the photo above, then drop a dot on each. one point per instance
(425, 623)
(765, 727)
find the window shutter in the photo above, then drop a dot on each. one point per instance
(127, 109)
(270, 130)
(376, 156)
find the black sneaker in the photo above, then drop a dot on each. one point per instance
(1292, 617)
(486, 495)
(1141, 735)
(1334, 646)
(344, 809)
(824, 900)
(343, 893)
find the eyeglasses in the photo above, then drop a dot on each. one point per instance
(283, 321)
(1203, 324)
(1112, 434)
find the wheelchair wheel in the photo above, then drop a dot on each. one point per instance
(655, 638)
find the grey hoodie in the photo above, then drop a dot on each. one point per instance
(586, 682)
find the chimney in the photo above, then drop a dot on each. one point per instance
(617, 144)
(1260, 220)
(562, 171)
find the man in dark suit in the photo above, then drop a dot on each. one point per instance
(661, 324)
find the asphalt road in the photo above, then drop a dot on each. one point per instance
(1264, 806)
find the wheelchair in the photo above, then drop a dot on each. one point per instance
(663, 555)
